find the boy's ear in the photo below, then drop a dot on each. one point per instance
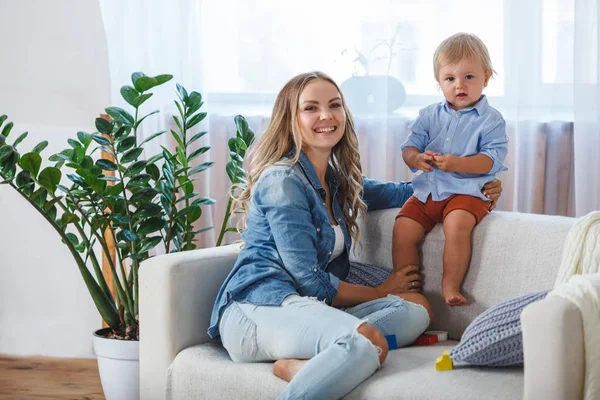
(487, 76)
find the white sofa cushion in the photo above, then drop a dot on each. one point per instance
(206, 372)
(513, 254)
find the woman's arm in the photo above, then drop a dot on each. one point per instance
(378, 195)
(399, 282)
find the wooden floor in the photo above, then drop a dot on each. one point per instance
(23, 378)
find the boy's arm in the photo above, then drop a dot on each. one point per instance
(477, 164)
(416, 160)
(493, 150)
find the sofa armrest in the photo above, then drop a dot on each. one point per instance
(177, 293)
(553, 350)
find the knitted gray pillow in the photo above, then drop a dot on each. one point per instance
(494, 338)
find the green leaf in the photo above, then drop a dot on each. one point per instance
(3, 118)
(68, 218)
(186, 197)
(73, 143)
(101, 140)
(149, 138)
(183, 95)
(144, 195)
(31, 162)
(21, 137)
(144, 117)
(85, 138)
(144, 83)
(148, 210)
(7, 128)
(136, 75)
(232, 144)
(196, 119)
(198, 152)
(178, 123)
(120, 114)
(236, 157)
(231, 171)
(194, 214)
(241, 144)
(241, 124)
(104, 126)
(149, 243)
(129, 95)
(141, 99)
(132, 155)
(196, 137)
(126, 144)
(130, 236)
(153, 171)
(139, 180)
(135, 168)
(181, 114)
(23, 179)
(163, 78)
(49, 178)
(204, 201)
(194, 98)
(39, 197)
(177, 139)
(201, 167)
(232, 229)
(151, 225)
(106, 165)
(78, 154)
(40, 147)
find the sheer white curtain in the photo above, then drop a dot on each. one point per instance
(587, 106)
(239, 54)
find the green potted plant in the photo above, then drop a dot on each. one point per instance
(100, 190)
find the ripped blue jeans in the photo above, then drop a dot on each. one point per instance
(304, 328)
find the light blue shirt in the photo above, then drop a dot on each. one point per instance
(441, 129)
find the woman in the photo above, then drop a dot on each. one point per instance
(286, 298)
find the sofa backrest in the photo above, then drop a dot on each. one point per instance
(513, 254)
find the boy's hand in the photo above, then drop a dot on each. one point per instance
(446, 162)
(424, 160)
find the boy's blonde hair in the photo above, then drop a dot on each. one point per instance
(458, 47)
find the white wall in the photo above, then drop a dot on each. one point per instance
(54, 82)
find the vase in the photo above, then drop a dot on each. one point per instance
(119, 366)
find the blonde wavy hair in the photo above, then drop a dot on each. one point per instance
(283, 135)
(458, 47)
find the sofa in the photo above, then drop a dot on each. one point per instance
(513, 254)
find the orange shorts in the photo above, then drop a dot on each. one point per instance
(432, 212)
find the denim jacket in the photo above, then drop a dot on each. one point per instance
(289, 238)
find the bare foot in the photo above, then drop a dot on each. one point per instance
(287, 369)
(453, 297)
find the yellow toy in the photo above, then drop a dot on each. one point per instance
(444, 363)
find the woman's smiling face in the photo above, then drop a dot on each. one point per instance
(321, 116)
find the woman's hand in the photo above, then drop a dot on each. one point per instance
(492, 190)
(406, 279)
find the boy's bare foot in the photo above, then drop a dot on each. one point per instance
(453, 297)
(288, 368)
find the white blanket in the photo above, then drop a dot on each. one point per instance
(578, 280)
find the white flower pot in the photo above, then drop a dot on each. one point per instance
(119, 366)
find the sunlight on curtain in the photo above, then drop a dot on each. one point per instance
(239, 54)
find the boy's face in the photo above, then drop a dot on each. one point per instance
(462, 83)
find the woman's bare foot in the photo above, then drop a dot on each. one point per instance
(453, 297)
(287, 369)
